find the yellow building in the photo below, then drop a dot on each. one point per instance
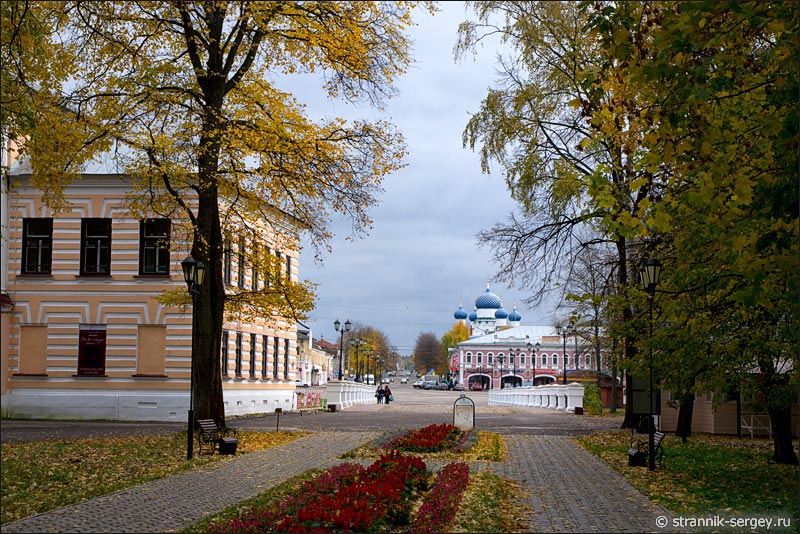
(82, 334)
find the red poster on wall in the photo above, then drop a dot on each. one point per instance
(454, 362)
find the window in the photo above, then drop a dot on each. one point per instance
(276, 350)
(522, 361)
(92, 350)
(37, 246)
(555, 360)
(288, 267)
(224, 350)
(252, 356)
(286, 359)
(544, 360)
(241, 262)
(254, 271)
(264, 356)
(480, 358)
(226, 262)
(95, 247)
(566, 360)
(154, 246)
(238, 355)
(469, 358)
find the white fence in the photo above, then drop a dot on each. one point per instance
(343, 394)
(552, 396)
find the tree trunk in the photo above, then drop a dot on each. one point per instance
(685, 412)
(781, 421)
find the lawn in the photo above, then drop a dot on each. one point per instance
(709, 474)
(45, 475)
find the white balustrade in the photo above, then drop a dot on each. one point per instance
(552, 396)
(344, 393)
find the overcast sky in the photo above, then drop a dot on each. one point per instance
(408, 275)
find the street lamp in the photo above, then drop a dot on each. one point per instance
(650, 274)
(372, 361)
(563, 331)
(511, 355)
(336, 325)
(532, 350)
(193, 273)
(500, 360)
(357, 344)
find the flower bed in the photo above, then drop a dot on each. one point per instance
(431, 438)
(443, 499)
(345, 498)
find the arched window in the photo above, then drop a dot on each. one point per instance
(490, 358)
(555, 360)
(480, 358)
(522, 360)
(544, 360)
(469, 358)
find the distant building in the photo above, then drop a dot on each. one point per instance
(502, 353)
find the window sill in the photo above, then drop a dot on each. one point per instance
(93, 276)
(90, 376)
(141, 375)
(35, 276)
(157, 276)
(30, 374)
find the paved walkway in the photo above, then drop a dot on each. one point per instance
(566, 488)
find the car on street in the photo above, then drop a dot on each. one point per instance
(476, 387)
(404, 380)
(429, 384)
(442, 386)
(418, 384)
(458, 387)
(300, 384)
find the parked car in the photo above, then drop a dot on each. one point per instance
(476, 387)
(458, 387)
(404, 380)
(429, 384)
(442, 386)
(418, 384)
(300, 384)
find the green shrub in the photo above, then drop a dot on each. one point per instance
(591, 399)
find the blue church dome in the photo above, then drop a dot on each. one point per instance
(501, 313)
(488, 300)
(473, 316)
(460, 314)
(514, 316)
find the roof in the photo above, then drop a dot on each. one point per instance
(517, 334)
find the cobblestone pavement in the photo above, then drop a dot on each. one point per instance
(566, 488)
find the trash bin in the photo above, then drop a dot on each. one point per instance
(228, 445)
(579, 410)
(636, 458)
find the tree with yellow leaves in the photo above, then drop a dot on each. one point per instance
(191, 90)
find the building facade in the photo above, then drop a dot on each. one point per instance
(502, 353)
(83, 334)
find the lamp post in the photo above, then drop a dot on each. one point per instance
(650, 274)
(336, 325)
(500, 360)
(532, 350)
(511, 354)
(356, 344)
(193, 273)
(372, 363)
(575, 335)
(563, 331)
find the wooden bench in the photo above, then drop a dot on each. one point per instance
(639, 451)
(222, 439)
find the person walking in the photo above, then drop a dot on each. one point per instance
(387, 394)
(379, 394)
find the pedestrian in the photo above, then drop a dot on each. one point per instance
(380, 393)
(387, 394)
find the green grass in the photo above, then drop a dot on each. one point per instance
(44, 475)
(708, 475)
